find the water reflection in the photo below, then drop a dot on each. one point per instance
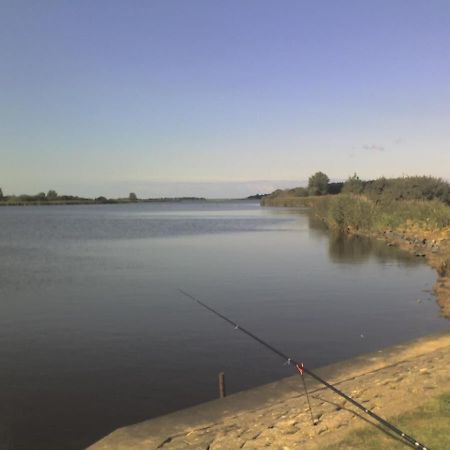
(351, 249)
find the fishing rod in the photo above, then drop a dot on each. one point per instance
(301, 369)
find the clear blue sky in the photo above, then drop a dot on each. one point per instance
(218, 98)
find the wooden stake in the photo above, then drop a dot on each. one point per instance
(222, 392)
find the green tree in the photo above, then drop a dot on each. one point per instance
(1, 194)
(353, 185)
(318, 184)
(52, 195)
(132, 197)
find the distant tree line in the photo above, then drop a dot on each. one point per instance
(52, 197)
(27, 198)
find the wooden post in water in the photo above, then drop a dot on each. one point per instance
(222, 392)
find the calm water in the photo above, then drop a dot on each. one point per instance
(94, 335)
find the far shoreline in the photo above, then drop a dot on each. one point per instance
(127, 202)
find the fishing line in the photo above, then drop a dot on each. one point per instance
(299, 366)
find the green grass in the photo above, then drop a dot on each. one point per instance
(430, 424)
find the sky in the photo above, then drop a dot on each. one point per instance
(220, 98)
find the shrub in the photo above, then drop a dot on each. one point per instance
(408, 188)
(298, 192)
(353, 185)
(335, 188)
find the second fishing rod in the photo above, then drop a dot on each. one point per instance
(301, 369)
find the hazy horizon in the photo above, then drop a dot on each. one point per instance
(220, 99)
(162, 189)
(159, 189)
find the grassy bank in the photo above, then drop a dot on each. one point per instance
(430, 421)
(357, 213)
(373, 206)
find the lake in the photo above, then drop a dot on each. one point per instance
(94, 333)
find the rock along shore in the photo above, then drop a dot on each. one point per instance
(276, 416)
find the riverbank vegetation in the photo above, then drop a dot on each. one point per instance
(373, 206)
(359, 213)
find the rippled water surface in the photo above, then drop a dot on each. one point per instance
(94, 333)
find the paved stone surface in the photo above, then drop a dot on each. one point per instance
(276, 416)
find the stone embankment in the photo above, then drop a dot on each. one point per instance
(276, 416)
